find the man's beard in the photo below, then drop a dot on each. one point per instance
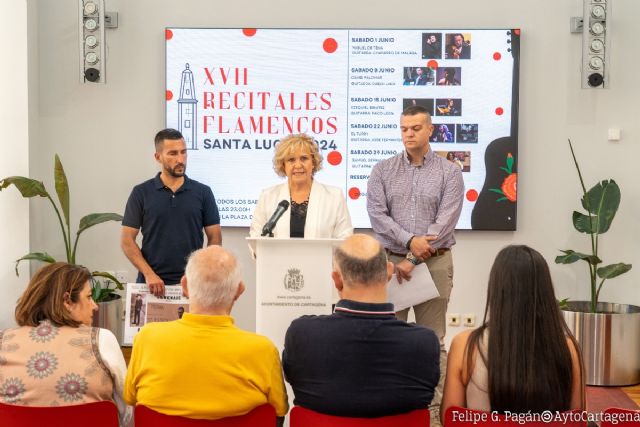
(174, 173)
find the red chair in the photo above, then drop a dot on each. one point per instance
(619, 417)
(96, 414)
(263, 415)
(463, 417)
(303, 417)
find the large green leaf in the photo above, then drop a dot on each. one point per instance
(97, 218)
(613, 270)
(26, 186)
(602, 201)
(583, 222)
(96, 289)
(103, 295)
(571, 256)
(98, 292)
(62, 188)
(38, 256)
(109, 276)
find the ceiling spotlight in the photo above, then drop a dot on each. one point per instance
(598, 12)
(90, 24)
(91, 58)
(596, 63)
(90, 8)
(596, 45)
(91, 41)
(597, 28)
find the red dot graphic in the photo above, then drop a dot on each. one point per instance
(169, 95)
(330, 45)
(249, 32)
(472, 195)
(499, 111)
(516, 32)
(354, 193)
(168, 34)
(432, 64)
(497, 56)
(334, 158)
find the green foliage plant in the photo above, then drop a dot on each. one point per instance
(601, 203)
(28, 187)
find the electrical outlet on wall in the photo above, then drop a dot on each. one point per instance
(453, 319)
(469, 320)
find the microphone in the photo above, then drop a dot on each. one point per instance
(268, 227)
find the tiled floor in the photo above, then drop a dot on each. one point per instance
(601, 398)
(633, 392)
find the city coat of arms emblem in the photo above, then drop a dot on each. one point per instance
(293, 280)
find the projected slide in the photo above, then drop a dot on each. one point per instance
(234, 93)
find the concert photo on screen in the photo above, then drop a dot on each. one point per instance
(449, 76)
(431, 45)
(443, 132)
(419, 76)
(423, 102)
(467, 133)
(448, 107)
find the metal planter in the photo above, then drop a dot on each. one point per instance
(609, 340)
(109, 316)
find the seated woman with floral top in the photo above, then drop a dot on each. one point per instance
(54, 357)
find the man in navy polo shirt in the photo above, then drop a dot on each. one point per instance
(361, 361)
(171, 211)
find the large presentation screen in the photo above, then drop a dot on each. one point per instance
(234, 93)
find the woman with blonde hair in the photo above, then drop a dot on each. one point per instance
(54, 357)
(523, 357)
(316, 210)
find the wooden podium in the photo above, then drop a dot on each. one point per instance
(293, 278)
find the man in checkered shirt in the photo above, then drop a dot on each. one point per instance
(414, 200)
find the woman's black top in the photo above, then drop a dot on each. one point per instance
(298, 218)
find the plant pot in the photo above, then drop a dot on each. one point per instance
(109, 316)
(609, 339)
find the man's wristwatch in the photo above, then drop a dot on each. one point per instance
(409, 243)
(412, 259)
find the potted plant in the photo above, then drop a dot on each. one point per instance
(608, 333)
(101, 281)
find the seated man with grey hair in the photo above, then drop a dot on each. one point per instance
(202, 365)
(361, 361)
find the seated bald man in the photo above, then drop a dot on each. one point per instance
(361, 361)
(202, 365)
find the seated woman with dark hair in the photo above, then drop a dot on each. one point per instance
(523, 357)
(55, 357)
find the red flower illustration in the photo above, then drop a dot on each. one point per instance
(509, 187)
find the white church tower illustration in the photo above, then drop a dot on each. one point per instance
(187, 108)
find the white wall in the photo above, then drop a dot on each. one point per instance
(104, 132)
(14, 153)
